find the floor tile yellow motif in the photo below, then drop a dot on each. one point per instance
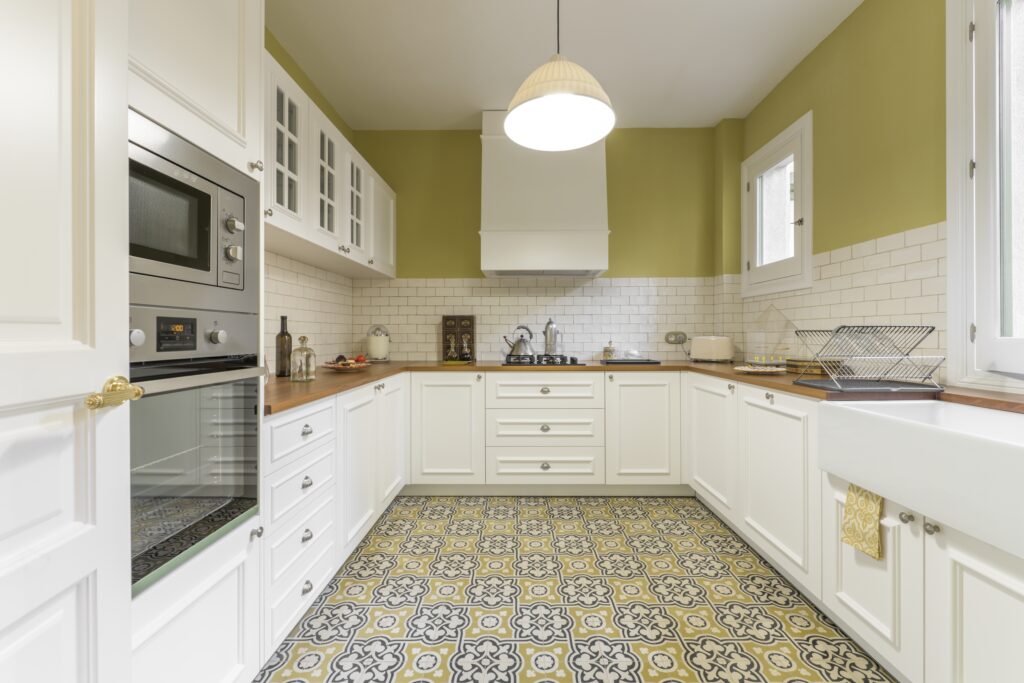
(583, 590)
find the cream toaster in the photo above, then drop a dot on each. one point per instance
(717, 349)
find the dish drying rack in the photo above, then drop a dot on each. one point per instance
(871, 358)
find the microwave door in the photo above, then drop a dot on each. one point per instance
(173, 220)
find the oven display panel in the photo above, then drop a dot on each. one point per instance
(175, 334)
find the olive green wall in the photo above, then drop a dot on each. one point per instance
(659, 200)
(877, 89)
(292, 68)
(436, 175)
(728, 135)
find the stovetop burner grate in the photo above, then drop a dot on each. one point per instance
(543, 359)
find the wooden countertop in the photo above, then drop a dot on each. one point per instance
(283, 394)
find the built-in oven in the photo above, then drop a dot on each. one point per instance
(194, 345)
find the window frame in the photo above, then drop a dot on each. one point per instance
(976, 352)
(794, 273)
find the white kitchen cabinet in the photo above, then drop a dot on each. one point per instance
(202, 621)
(393, 439)
(780, 484)
(974, 609)
(357, 236)
(545, 389)
(385, 221)
(207, 90)
(325, 144)
(710, 409)
(882, 601)
(357, 489)
(643, 435)
(447, 427)
(286, 197)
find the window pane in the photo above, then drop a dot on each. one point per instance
(775, 206)
(1011, 143)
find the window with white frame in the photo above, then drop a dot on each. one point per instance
(987, 188)
(776, 213)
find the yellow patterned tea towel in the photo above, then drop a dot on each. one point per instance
(862, 521)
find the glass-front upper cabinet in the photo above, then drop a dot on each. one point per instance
(287, 144)
(358, 227)
(325, 145)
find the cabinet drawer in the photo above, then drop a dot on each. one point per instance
(545, 465)
(291, 601)
(287, 489)
(553, 389)
(292, 433)
(293, 546)
(545, 427)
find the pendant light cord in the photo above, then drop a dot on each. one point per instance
(558, 27)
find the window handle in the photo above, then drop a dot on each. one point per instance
(798, 221)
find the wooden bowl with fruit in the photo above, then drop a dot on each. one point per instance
(343, 364)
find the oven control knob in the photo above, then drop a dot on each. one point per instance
(234, 225)
(218, 336)
(233, 253)
(136, 337)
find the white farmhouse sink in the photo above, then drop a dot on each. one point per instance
(959, 465)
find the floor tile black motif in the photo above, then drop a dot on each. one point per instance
(588, 590)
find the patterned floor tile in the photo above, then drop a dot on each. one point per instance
(461, 589)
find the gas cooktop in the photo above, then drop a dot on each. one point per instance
(543, 359)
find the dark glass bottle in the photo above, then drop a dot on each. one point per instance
(284, 349)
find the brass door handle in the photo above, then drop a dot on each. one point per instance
(116, 391)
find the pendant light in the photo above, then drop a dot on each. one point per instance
(559, 106)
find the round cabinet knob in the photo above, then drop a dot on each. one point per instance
(732, 387)
(545, 466)
(233, 253)
(136, 337)
(906, 517)
(545, 428)
(306, 482)
(268, 212)
(931, 529)
(370, 262)
(234, 225)
(307, 587)
(545, 390)
(218, 336)
(307, 535)
(256, 533)
(256, 165)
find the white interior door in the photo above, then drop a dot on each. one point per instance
(65, 586)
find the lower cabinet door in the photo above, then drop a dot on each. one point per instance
(201, 623)
(709, 419)
(447, 425)
(882, 601)
(780, 483)
(357, 486)
(393, 439)
(642, 432)
(974, 602)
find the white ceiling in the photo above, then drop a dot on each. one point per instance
(435, 64)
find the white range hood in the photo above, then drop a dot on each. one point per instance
(541, 213)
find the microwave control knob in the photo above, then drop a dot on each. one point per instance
(234, 225)
(218, 336)
(136, 337)
(233, 252)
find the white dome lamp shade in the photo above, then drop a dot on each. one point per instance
(559, 107)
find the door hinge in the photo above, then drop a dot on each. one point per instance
(748, 187)
(971, 28)
(748, 265)
(971, 167)
(974, 332)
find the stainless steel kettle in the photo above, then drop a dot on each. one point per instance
(521, 346)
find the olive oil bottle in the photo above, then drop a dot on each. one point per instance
(284, 349)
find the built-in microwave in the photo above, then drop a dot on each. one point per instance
(193, 225)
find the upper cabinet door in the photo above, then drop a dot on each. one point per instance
(642, 428)
(325, 155)
(207, 88)
(64, 469)
(382, 256)
(287, 143)
(357, 237)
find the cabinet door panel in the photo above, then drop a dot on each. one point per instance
(881, 600)
(447, 428)
(393, 457)
(780, 481)
(710, 410)
(287, 144)
(642, 428)
(974, 603)
(357, 411)
(382, 256)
